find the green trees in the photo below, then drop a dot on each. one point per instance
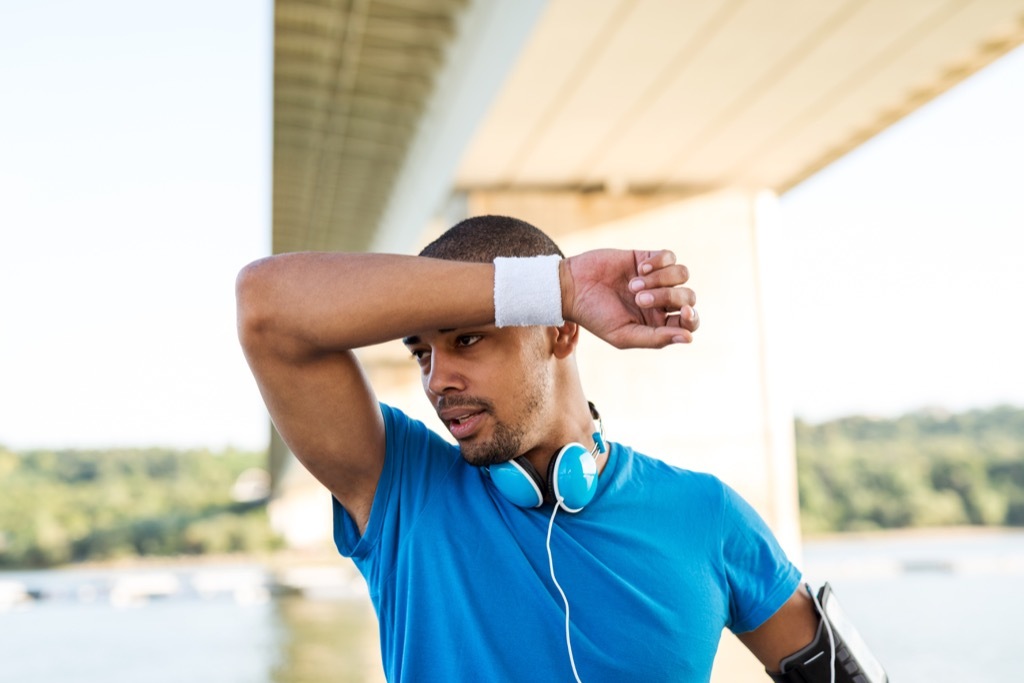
(854, 473)
(922, 469)
(67, 506)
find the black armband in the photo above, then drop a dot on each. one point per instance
(837, 654)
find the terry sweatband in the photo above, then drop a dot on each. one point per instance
(527, 291)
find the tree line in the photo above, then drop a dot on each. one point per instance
(855, 473)
(61, 506)
(927, 468)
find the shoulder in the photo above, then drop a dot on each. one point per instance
(634, 464)
(701, 497)
(658, 484)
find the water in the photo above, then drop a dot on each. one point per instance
(933, 608)
(212, 624)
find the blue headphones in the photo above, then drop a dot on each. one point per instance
(572, 476)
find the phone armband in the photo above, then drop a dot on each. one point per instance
(837, 654)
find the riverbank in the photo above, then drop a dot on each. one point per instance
(328, 556)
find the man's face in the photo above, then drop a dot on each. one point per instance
(489, 386)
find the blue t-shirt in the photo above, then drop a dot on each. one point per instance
(656, 565)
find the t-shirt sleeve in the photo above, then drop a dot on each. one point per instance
(414, 457)
(760, 576)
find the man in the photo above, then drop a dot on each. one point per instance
(634, 581)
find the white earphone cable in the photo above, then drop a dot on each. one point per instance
(551, 565)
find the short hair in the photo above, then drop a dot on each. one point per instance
(481, 239)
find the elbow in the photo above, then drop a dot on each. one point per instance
(251, 303)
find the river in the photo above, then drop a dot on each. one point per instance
(934, 607)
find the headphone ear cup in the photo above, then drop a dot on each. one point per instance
(572, 477)
(518, 481)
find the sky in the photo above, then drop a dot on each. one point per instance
(135, 182)
(907, 260)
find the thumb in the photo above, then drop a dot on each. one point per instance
(637, 336)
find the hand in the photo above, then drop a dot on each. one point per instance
(631, 299)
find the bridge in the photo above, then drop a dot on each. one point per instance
(612, 123)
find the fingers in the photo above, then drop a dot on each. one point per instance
(658, 289)
(649, 261)
(686, 321)
(659, 269)
(674, 308)
(692, 321)
(669, 276)
(670, 299)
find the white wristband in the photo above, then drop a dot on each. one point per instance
(527, 291)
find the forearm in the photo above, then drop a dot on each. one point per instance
(337, 301)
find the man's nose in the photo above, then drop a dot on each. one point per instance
(445, 375)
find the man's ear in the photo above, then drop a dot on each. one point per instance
(564, 340)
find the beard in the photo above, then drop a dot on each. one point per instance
(505, 444)
(507, 438)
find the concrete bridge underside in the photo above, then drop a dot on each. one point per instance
(612, 123)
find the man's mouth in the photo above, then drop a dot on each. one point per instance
(464, 424)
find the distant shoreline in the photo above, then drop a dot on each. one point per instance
(327, 556)
(914, 532)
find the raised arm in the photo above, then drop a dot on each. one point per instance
(301, 315)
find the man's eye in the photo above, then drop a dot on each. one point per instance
(419, 354)
(467, 339)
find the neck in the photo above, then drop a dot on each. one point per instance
(578, 426)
